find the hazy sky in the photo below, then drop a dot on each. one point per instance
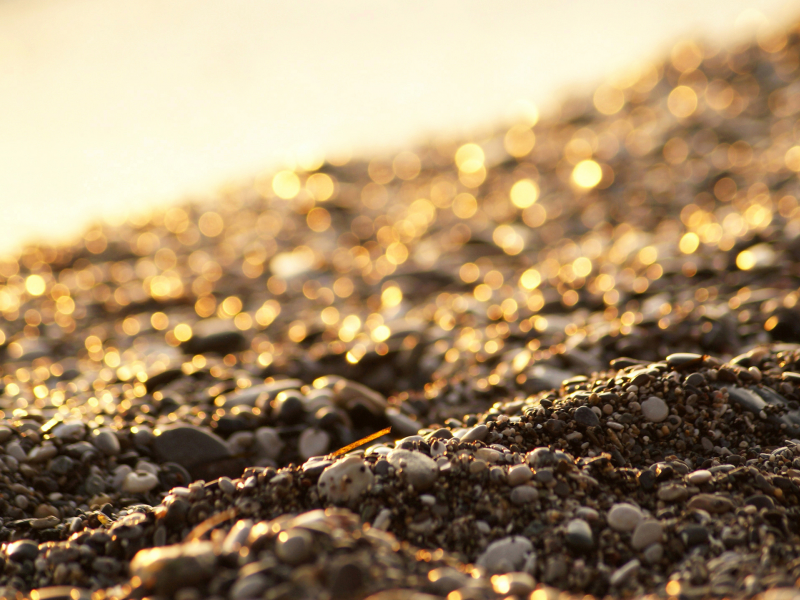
(108, 106)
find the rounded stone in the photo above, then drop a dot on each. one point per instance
(106, 441)
(268, 442)
(524, 494)
(417, 470)
(699, 477)
(519, 474)
(655, 409)
(345, 480)
(579, 535)
(313, 442)
(294, 546)
(624, 517)
(72, 431)
(139, 482)
(476, 434)
(647, 532)
(586, 416)
(22, 550)
(506, 555)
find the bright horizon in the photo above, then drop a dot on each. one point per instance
(108, 107)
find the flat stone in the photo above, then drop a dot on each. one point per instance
(680, 359)
(699, 477)
(646, 533)
(139, 482)
(45, 522)
(672, 492)
(167, 569)
(106, 441)
(476, 434)
(345, 480)
(72, 431)
(313, 442)
(200, 452)
(654, 409)
(506, 555)
(294, 546)
(711, 503)
(417, 470)
(579, 536)
(519, 474)
(624, 517)
(586, 416)
(625, 572)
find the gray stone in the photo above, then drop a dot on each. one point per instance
(654, 409)
(699, 477)
(519, 474)
(653, 554)
(647, 532)
(169, 568)
(72, 431)
(250, 586)
(294, 546)
(106, 441)
(625, 572)
(417, 470)
(268, 442)
(586, 416)
(711, 503)
(201, 452)
(345, 480)
(624, 517)
(476, 434)
(524, 494)
(506, 555)
(579, 536)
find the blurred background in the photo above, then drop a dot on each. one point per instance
(110, 107)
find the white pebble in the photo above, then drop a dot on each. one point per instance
(418, 470)
(519, 474)
(139, 482)
(313, 442)
(646, 533)
(699, 477)
(345, 480)
(655, 409)
(624, 517)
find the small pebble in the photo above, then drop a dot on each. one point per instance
(519, 474)
(655, 410)
(294, 546)
(524, 494)
(625, 572)
(624, 517)
(106, 441)
(139, 482)
(699, 477)
(345, 480)
(505, 555)
(646, 533)
(418, 470)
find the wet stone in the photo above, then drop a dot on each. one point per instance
(417, 470)
(696, 380)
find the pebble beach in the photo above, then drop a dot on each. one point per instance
(559, 361)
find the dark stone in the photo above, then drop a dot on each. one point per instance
(647, 480)
(586, 417)
(760, 501)
(695, 379)
(22, 550)
(346, 580)
(288, 409)
(204, 454)
(159, 380)
(215, 336)
(693, 535)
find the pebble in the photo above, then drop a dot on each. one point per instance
(169, 568)
(313, 442)
(195, 449)
(294, 546)
(524, 494)
(345, 480)
(68, 431)
(22, 550)
(106, 441)
(585, 416)
(506, 555)
(655, 410)
(139, 482)
(418, 470)
(476, 434)
(624, 517)
(250, 586)
(699, 477)
(653, 554)
(672, 492)
(647, 532)
(515, 584)
(519, 474)
(625, 572)
(711, 503)
(579, 535)
(268, 442)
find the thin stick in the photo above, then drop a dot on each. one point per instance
(210, 523)
(361, 442)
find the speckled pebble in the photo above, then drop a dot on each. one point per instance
(345, 480)
(418, 470)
